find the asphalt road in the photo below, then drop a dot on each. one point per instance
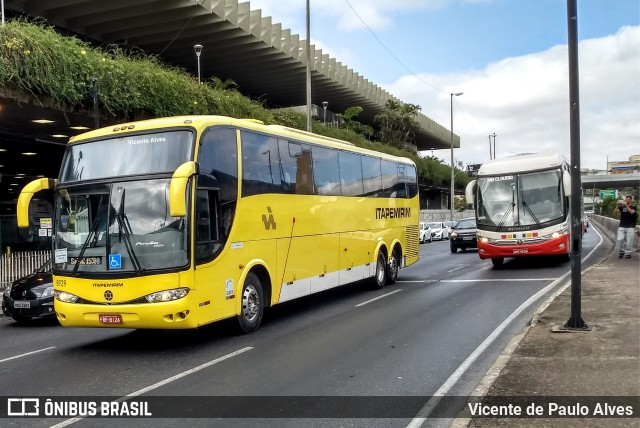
(435, 332)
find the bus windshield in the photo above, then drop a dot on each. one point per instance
(118, 227)
(160, 152)
(531, 199)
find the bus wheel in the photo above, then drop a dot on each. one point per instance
(394, 267)
(497, 262)
(380, 278)
(252, 304)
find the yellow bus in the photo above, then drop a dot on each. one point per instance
(178, 222)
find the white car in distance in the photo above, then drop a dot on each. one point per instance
(439, 230)
(425, 232)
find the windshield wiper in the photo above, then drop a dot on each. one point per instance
(124, 229)
(506, 214)
(85, 244)
(526, 206)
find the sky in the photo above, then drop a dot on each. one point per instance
(509, 58)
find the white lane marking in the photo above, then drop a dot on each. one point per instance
(424, 413)
(27, 353)
(377, 298)
(417, 281)
(163, 382)
(498, 280)
(459, 267)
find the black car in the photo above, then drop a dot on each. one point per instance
(463, 235)
(30, 296)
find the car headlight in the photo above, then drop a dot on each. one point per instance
(65, 297)
(167, 295)
(48, 292)
(453, 234)
(7, 290)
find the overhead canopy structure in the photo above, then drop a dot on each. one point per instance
(264, 59)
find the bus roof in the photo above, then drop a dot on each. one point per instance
(201, 122)
(522, 163)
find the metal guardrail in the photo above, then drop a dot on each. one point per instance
(17, 265)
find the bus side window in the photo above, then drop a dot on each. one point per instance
(218, 157)
(207, 230)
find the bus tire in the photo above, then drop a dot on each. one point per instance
(393, 267)
(252, 304)
(380, 276)
(497, 262)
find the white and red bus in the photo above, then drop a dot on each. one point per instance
(522, 207)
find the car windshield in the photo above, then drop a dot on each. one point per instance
(435, 225)
(466, 223)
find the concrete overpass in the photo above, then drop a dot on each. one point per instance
(265, 59)
(610, 181)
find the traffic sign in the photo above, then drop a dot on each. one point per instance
(608, 194)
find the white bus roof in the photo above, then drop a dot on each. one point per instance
(521, 163)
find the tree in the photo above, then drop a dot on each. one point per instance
(397, 123)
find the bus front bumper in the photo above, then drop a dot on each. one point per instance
(556, 246)
(162, 315)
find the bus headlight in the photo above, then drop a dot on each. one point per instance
(558, 234)
(65, 297)
(484, 240)
(167, 295)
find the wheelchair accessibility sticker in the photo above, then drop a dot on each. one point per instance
(115, 261)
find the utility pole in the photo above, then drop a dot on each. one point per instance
(575, 322)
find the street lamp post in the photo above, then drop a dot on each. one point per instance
(494, 144)
(325, 104)
(198, 49)
(456, 94)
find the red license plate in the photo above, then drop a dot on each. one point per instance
(520, 250)
(110, 318)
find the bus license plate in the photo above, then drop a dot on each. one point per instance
(22, 304)
(110, 318)
(520, 250)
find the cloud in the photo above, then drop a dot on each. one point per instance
(525, 101)
(375, 13)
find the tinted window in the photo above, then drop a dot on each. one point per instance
(127, 155)
(408, 177)
(372, 175)
(350, 174)
(326, 173)
(296, 171)
(219, 157)
(390, 183)
(260, 164)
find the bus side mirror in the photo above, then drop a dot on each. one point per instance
(566, 183)
(27, 193)
(178, 188)
(469, 192)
